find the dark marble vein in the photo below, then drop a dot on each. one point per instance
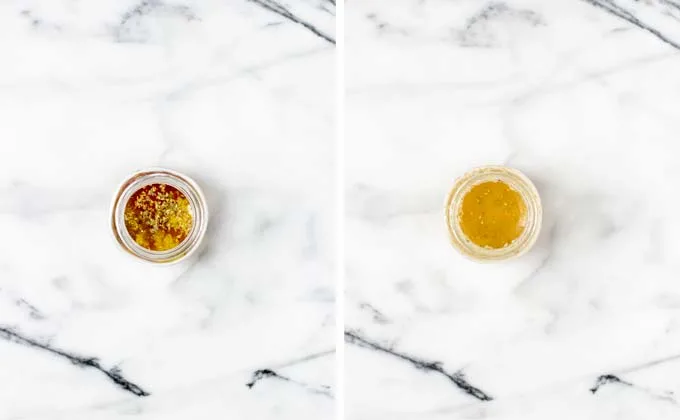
(602, 380)
(305, 359)
(261, 374)
(607, 379)
(275, 7)
(457, 378)
(114, 374)
(624, 14)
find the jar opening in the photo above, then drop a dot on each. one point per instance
(518, 223)
(159, 215)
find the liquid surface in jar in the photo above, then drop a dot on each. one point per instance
(492, 214)
(158, 217)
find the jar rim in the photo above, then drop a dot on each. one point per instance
(517, 181)
(197, 205)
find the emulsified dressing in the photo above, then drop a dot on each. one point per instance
(492, 214)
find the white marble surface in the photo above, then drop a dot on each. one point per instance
(236, 94)
(585, 103)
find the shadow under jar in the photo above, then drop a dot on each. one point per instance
(159, 215)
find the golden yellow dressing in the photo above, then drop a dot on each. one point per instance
(492, 214)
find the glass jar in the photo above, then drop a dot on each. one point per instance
(515, 180)
(197, 206)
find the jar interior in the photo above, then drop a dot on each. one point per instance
(517, 182)
(197, 209)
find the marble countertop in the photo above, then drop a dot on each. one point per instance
(583, 97)
(240, 96)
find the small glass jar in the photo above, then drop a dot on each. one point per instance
(515, 180)
(197, 206)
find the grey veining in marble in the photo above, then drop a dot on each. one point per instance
(582, 96)
(237, 94)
